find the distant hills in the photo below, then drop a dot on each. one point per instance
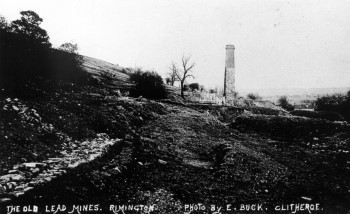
(295, 95)
(294, 91)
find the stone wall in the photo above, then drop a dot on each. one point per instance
(205, 97)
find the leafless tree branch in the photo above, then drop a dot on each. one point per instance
(182, 75)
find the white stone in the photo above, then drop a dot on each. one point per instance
(9, 177)
(5, 199)
(162, 162)
(33, 164)
(28, 189)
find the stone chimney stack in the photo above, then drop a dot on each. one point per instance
(229, 84)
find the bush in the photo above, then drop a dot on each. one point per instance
(337, 103)
(213, 91)
(254, 96)
(327, 115)
(148, 84)
(66, 66)
(335, 99)
(283, 102)
(194, 86)
(186, 87)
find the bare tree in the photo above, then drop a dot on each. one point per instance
(182, 75)
(171, 78)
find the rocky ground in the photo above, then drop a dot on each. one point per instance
(180, 156)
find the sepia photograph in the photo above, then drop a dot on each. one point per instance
(174, 107)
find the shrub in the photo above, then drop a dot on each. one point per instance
(127, 71)
(148, 84)
(194, 86)
(66, 66)
(325, 102)
(283, 102)
(254, 96)
(337, 103)
(168, 81)
(213, 91)
(186, 87)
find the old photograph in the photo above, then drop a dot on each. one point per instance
(174, 107)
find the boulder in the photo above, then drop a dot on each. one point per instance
(28, 189)
(11, 177)
(33, 165)
(2, 200)
(17, 194)
(162, 161)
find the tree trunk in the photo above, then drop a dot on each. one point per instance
(182, 89)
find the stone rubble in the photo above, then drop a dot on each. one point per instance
(24, 177)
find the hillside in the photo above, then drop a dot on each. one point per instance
(78, 145)
(118, 76)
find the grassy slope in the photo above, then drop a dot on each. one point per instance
(117, 75)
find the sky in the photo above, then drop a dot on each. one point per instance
(279, 44)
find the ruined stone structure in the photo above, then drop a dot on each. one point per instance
(205, 97)
(229, 84)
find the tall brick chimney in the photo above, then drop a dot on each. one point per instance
(229, 84)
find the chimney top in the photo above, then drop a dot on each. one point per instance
(230, 47)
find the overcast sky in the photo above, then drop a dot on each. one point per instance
(279, 44)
